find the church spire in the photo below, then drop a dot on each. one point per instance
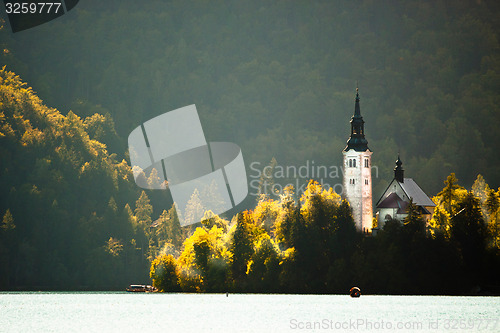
(357, 109)
(357, 139)
(399, 172)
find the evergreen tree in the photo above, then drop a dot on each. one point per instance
(143, 210)
(413, 222)
(468, 231)
(493, 206)
(448, 192)
(195, 210)
(241, 248)
(263, 268)
(8, 221)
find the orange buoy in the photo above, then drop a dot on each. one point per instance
(355, 292)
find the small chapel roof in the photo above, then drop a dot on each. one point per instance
(392, 201)
(414, 191)
(409, 187)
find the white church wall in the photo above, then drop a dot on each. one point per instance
(357, 191)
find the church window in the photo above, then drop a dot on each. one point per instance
(354, 163)
(366, 181)
(366, 163)
(350, 163)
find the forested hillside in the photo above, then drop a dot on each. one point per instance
(71, 216)
(278, 77)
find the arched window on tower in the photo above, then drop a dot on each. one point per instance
(350, 163)
(367, 163)
(354, 163)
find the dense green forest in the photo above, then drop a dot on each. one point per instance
(65, 199)
(277, 78)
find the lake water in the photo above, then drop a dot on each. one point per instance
(127, 312)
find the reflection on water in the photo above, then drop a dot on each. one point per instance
(124, 312)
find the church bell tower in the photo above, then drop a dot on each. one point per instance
(357, 184)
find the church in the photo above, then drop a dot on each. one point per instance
(394, 201)
(357, 183)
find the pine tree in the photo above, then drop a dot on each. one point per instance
(493, 206)
(448, 192)
(468, 231)
(8, 221)
(194, 209)
(413, 221)
(143, 210)
(241, 247)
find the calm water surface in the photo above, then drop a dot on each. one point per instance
(125, 312)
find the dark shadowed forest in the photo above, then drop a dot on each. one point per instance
(278, 79)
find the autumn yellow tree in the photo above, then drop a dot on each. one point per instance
(165, 273)
(204, 261)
